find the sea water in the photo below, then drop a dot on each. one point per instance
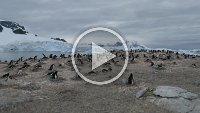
(17, 54)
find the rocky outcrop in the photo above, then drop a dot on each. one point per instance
(16, 28)
(59, 39)
(141, 92)
(175, 99)
(19, 31)
(174, 92)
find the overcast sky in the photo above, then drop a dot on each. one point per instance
(171, 24)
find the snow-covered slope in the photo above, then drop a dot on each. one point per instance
(12, 41)
(14, 37)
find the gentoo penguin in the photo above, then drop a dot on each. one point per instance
(104, 70)
(132, 60)
(17, 62)
(91, 72)
(130, 79)
(35, 58)
(54, 57)
(152, 64)
(137, 56)
(80, 61)
(5, 75)
(168, 57)
(50, 73)
(54, 75)
(11, 66)
(62, 55)
(77, 76)
(194, 65)
(153, 56)
(51, 56)
(51, 67)
(10, 63)
(24, 66)
(160, 65)
(110, 69)
(44, 56)
(145, 56)
(174, 63)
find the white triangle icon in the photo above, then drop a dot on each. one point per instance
(100, 56)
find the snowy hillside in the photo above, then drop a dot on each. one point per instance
(15, 38)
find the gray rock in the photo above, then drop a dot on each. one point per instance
(141, 92)
(189, 95)
(174, 92)
(178, 105)
(197, 107)
(175, 99)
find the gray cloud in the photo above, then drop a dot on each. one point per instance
(172, 24)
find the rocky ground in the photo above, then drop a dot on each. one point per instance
(168, 85)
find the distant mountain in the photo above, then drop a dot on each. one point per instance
(14, 37)
(59, 39)
(16, 28)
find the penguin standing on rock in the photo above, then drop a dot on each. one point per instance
(21, 59)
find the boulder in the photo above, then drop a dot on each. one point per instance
(175, 99)
(174, 92)
(141, 92)
(179, 105)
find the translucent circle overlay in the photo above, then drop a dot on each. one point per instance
(93, 30)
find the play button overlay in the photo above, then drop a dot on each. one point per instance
(99, 55)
